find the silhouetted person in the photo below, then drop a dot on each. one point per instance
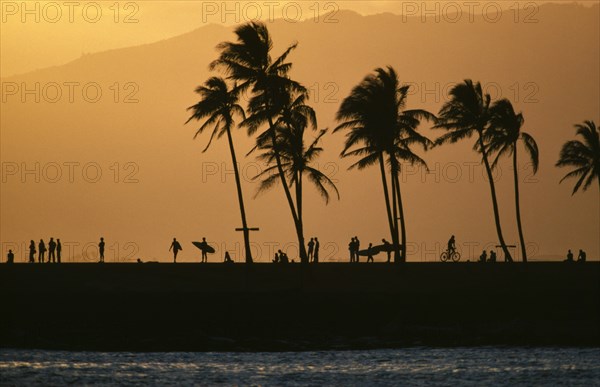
(451, 246)
(204, 253)
(52, 251)
(316, 256)
(58, 250)
(227, 258)
(311, 248)
(10, 257)
(42, 251)
(276, 258)
(101, 250)
(569, 257)
(139, 260)
(351, 249)
(388, 249)
(356, 249)
(283, 258)
(370, 253)
(483, 257)
(581, 257)
(175, 246)
(32, 252)
(492, 257)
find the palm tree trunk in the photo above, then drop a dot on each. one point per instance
(240, 199)
(393, 232)
(402, 223)
(488, 169)
(288, 195)
(517, 204)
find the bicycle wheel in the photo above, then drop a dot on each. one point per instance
(455, 256)
(444, 256)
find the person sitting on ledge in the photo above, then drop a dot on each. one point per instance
(483, 257)
(276, 259)
(492, 257)
(139, 260)
(569, 257)
(283, 258)
(581, 257)
(227, 258)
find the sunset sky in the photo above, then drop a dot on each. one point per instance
(156, 183)
(57, 34)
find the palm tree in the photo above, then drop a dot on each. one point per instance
(501, 138)
(583, 156)
(249, 62)
(218, 106)
(467, 113)
(296, 159)
(378, 126)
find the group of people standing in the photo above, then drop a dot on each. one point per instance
(54, 250)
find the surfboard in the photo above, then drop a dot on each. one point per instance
(204, 247)
(385, 248)
(377, 249)
(365, 253)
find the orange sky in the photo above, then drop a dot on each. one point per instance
(38, 34)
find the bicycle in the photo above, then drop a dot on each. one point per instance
(446, 256)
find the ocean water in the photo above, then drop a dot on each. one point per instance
(412, 366)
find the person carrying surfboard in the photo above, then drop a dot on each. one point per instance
(175, 246)
(205, 247)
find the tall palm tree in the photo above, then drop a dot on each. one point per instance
(379, 128)
(465, 114)
(295, 156)
(218, 106)
(583, 156)
(249, 61)
(501, 138)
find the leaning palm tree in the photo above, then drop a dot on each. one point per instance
(379, 128)
(583, 156)
(249, 61)
(296, 160)
(501, 138)
(465, 114)
(218, 107)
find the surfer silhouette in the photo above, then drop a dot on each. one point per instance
(10, 257)
(101, 250)
(52, 251)
(388, 248)
(32, 252)
(311, 249)
(370, 253)
(42, 251)
(204, 254)
(175, 246)
(316, 256)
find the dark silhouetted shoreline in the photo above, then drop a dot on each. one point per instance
(264, 307)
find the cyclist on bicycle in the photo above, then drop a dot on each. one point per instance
(451, 246)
